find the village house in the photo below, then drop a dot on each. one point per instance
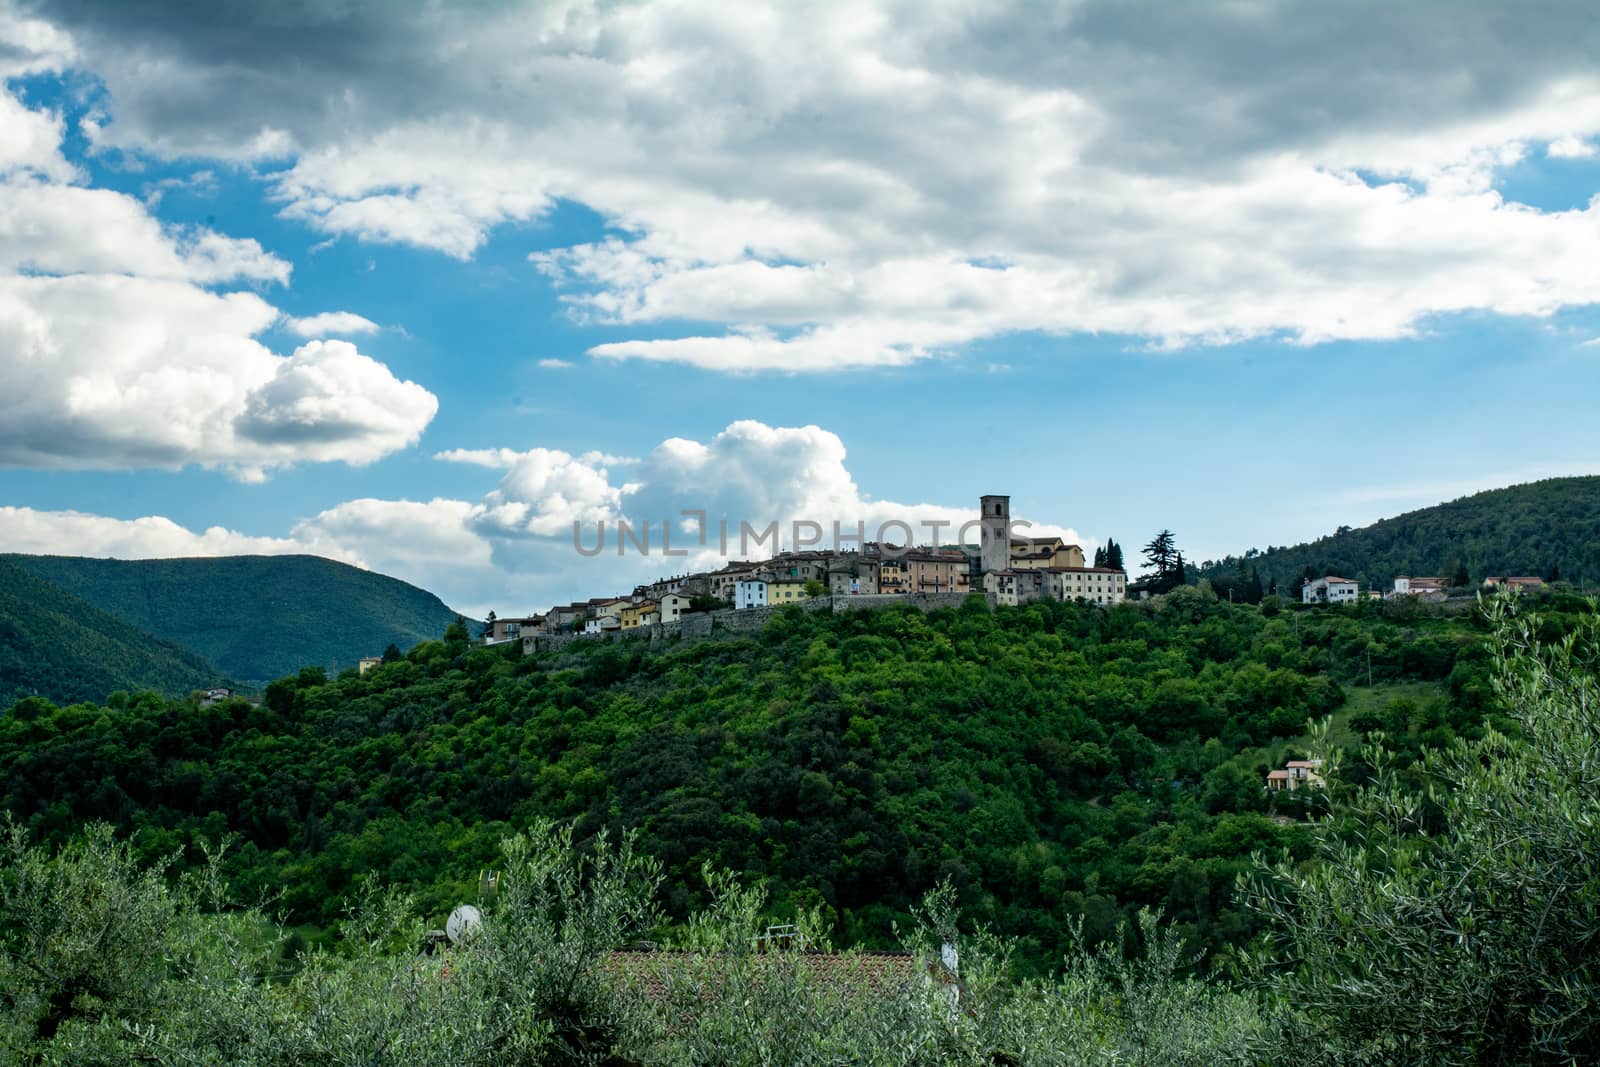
(601, 625)
(1330, 590)
(673, 606)
(1039, 553)
(786, 590)
(1098, 585)
(720, 583)
(852, 574)
(500, 630)
(936, 571)
(1426, 588)
(892, 575)
(1528, 582)
(749, 593)
(1296, 774)
(641, 614)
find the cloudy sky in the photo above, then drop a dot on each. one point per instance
(419, 290)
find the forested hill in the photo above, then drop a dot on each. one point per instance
(1541, 528)
(255, 617)
(1053, 761)
(60, 646)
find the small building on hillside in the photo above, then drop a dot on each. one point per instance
(1330, 590)
(1423, 588)
(601, 625)
(1526, 582)
(1297, 774)
(218, 694)
(511, 629)
(749, 593)
(366, 663)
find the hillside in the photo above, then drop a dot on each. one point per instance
(255, 617)
(1524, 529)
(57, 645)
(1053, 762)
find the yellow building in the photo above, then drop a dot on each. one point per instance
(640, 614)
(786, 591)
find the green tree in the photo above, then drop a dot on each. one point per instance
(1459, 926)
(814, 588)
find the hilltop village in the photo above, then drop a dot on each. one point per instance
(1007, 569)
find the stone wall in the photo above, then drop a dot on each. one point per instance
(728, 621)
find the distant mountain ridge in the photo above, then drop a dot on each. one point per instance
(1538, 528)
(57, 645)
(255, 617)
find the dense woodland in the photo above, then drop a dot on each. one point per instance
(1446, 912)
(254, 618)
(1549, 528)
(59, 646)
(1054, 763)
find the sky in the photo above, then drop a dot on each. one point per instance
(422, 287)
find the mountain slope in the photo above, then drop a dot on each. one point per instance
(1523, 529)
(255, 617)
(58, 645)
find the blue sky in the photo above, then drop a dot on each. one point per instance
(917, 260)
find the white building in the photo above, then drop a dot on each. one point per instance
(1330, 590)
(674, 606)
(750, 593)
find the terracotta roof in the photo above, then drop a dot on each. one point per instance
(1283, 775)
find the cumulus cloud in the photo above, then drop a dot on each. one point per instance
(879, 184)
(330, 323)
(555, 364)
(78, 533)
(117, 348)
(1571, 148)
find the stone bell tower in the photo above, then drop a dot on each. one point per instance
(995, 548)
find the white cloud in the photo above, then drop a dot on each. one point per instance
(117, 350)
(555, 364)
(1591, 343)
(875, 185)
(330, 323)
(1571, 148)
(77, 533)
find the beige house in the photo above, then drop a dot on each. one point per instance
(893, 576)
(673, 606)
(1098, 585)
(1039, 553)
(1297, 774)
(936, 571)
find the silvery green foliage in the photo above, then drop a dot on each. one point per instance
(735, 1001)
(1462, 925)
